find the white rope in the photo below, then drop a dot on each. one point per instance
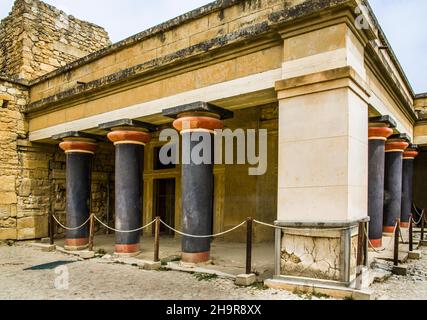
(293, 228)
(122, 231)
(421, 217)
(197, 236)
(68, 228)
(385, 247)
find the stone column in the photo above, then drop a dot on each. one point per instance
(129, 138)
(407, 184)
(379, 131)
(395, 147)
(80, 149)
(196, 122)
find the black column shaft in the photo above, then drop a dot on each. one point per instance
(376, 188)
(393, 188)
(197, 195)
(128, 191)
(78, 177)
(407, 189)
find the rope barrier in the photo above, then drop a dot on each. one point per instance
(421, 217)
(68, 228)
(202, 237)
(124, 231)
(385, 247)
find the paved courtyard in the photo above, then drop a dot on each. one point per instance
(28, 273)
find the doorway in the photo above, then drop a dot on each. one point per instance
(164, 204)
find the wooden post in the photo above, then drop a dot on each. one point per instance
(360, 249)
(396, 244)
(51, 227)
(366, 244)
(249, 226)
(423, 222)
(157, 240)
(91, 232)
(411, 235)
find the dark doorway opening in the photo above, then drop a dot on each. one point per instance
(164, 203)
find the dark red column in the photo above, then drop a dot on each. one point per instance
(395, 147)
(407, 184)
(129, 138)
(198, 119)
(79, 149)
(379, 131)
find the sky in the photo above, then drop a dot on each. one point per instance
(403, 22)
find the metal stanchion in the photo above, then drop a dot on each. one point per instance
(411, 235)
(249, 226)
(423, 222)
(396, 244)
(360, 249)
(157, 240)
(91, 232)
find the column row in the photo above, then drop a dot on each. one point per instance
(391, 158)
(196, 122)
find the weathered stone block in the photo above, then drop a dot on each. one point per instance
(400, 270)
(8, 198)
(8, 234)
(415, 255)
(151, 265)
(245, 279)
(8, 223)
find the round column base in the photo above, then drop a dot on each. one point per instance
(404, 225)
(376, 243)
(199, 257)
(387, 230)
(76, 244)
(127, 250)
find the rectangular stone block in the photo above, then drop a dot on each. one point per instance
(400, 270)
(8, 234)
(151, 265)
(415, 255)
(245, 279)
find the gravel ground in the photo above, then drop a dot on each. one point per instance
(97, 279)
(410, 287)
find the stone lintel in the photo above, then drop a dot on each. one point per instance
(387, 120)
(401, 136)
(199, 106)
(128, 123)
(77, 134)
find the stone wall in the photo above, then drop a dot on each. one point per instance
(37, 38)
(102, 179)
(13, 98)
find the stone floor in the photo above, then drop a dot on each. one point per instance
(100, 279)
(227, 257)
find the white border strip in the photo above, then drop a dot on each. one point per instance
(252, 83)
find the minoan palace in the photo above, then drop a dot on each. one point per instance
(81, 119)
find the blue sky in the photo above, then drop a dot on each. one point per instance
(403, 21)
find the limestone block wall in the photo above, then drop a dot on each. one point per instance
(102, 179)
(37, 38)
